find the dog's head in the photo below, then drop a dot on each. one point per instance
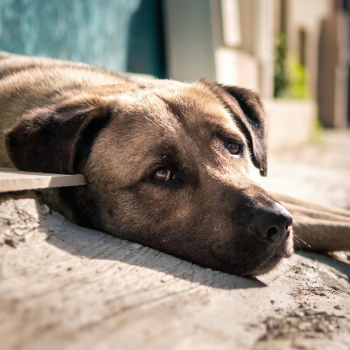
(166, 166)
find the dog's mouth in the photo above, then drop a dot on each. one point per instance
(256, 264)
(240, 270)
(263, 268)
(269, 264)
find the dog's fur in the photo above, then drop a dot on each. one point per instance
(119, 130)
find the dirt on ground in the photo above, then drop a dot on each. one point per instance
(317, 172)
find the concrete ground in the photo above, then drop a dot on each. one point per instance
(318, 172)
(66, 287)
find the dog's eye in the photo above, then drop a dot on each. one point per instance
(234, 148)
(163, 174)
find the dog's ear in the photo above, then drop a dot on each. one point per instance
(57, 139)
(252, 123)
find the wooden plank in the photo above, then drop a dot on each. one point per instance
(15, 180)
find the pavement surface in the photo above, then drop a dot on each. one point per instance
(318, 172)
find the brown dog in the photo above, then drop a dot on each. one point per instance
(166, 162)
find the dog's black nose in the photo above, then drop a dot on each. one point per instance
(271, 225)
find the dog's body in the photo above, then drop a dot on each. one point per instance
(166, 162)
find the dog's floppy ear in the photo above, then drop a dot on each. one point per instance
(252, 123)
(57, 139)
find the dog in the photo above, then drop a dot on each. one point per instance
(166, 162)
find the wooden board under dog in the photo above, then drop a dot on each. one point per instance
(15, 180)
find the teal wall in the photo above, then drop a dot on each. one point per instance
(120, 35)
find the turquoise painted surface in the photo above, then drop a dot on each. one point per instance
(91, 31)
(146, 51)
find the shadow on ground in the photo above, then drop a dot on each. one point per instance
(84, 242)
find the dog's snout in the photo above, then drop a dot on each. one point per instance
(271, 225)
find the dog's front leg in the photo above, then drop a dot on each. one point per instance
(317, 227)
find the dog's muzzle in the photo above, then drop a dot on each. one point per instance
(271, 225)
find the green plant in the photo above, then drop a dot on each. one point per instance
(280, 67)
(317, 132)
(291, 78)
(298, 87)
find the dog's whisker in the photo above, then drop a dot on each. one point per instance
(298, 239)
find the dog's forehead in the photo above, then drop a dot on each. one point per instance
(185, 105)
(193, 102)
